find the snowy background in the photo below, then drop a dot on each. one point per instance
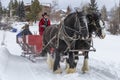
(63, 4)
(104, 63)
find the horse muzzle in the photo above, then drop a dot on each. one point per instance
(102, 35)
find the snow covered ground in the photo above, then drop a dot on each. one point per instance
(104, 63)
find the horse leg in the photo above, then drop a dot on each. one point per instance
(47, 51)
(50, 60)
(76, 58)
(85, 67)
(44, 50)
(56, 67)
(70, 65)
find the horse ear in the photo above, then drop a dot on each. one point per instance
(76, 11)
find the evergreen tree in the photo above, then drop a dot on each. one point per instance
(1, 11)
(35, 9)
(21, 11)
(5, 12)
(119, 13)
(10, 5)
(15, 7)
(18, 10)
(93, 6)
(104, 13)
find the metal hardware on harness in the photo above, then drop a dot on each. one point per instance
(49, 42)
(65, 35)
(82, 50)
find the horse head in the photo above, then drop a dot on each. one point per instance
(95, 24)
(76, 24)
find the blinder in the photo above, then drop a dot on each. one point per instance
(96, 23)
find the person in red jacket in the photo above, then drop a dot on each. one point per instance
(43, 23)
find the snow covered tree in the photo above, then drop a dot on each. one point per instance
(104, 13)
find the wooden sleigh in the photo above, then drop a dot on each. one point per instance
(31, 46)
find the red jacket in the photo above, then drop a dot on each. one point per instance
(42, 24)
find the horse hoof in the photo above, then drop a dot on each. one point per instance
(85, 70)
(58, 71)
(85, 67)
(103, 36)
(70, 70)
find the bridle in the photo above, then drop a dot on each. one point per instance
(76, 24)
(93, 22)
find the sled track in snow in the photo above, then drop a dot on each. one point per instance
(103, 71)
(104, 74)
(99, 70)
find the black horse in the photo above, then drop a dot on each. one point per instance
(94, 26)
(63, 37)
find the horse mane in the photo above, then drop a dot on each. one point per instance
(71, 14)
(68, 18)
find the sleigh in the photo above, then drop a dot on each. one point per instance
(31, 46)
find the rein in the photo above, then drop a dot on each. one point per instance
(77, 24)
(66, 34)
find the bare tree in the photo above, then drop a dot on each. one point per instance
(114, 21)
(104, 13)
(54, 15)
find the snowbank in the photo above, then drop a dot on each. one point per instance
(10, 43)
(4, 55)
(13, 67)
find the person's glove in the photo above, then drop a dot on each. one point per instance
(43, 26)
